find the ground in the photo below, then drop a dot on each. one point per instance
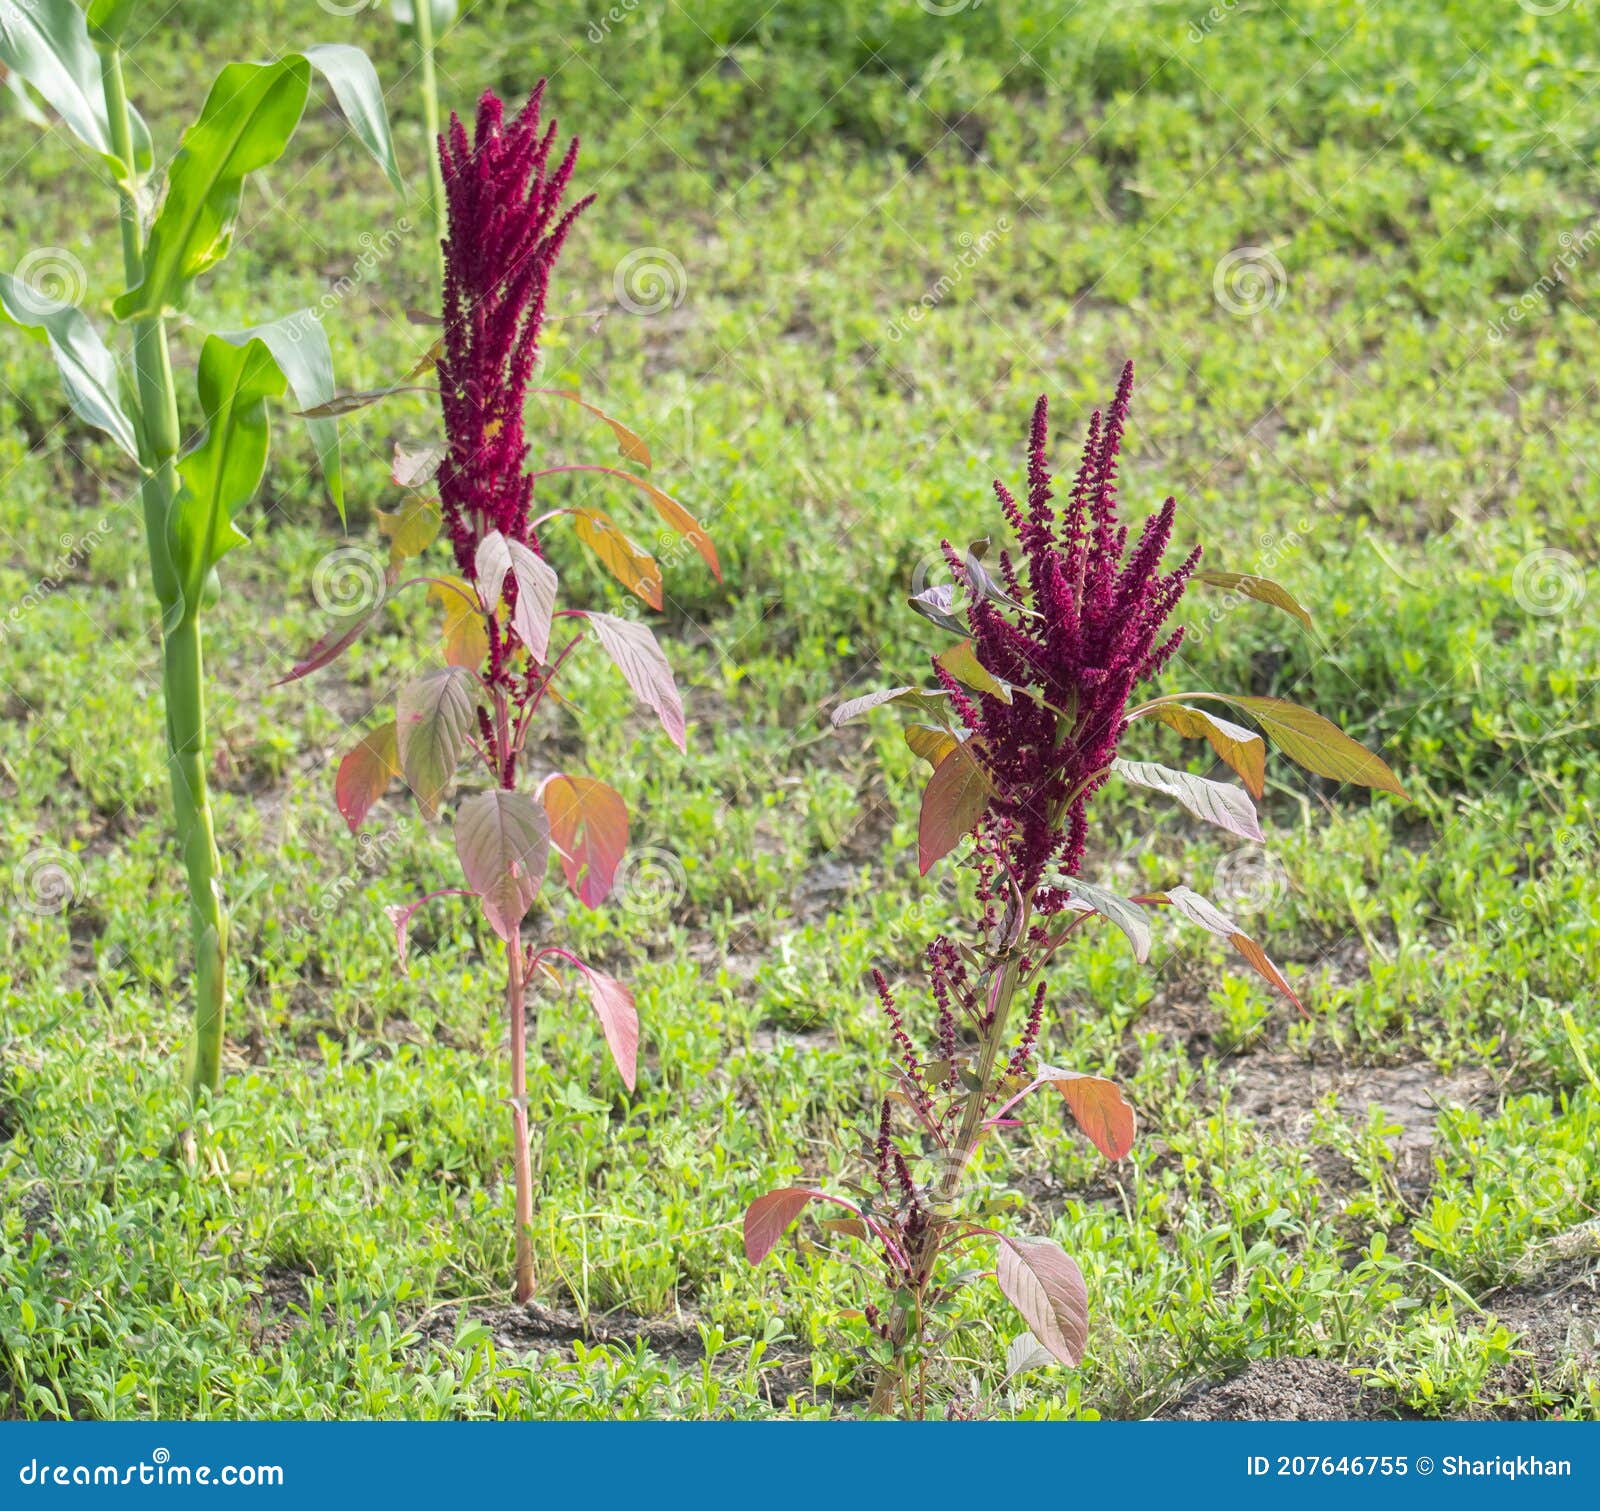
(838, 250)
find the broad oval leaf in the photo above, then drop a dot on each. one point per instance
(1315, 743)
(1126, 915)
(961, 661)
(411, 529)
(1038, 1278)
(1262, 589)
(952, 803)
(1098, 1107)
(633, 567)
(1216, 802)
(432, 716)
(246, 122)
(1199, 910)
(767, 1218)
(928, 699)
(930, 742)
(1242, 749)
(415, 467)
(536, 598)
(937, 604)
(1024, 1353)
(365, 772)
(640, 660)
(490, 565)
(589, 829)
(88, 370)
(465, 640)
(503, 842)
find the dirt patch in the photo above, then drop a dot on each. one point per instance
(516, 1329)
(1281, 1093)
(1284, 1390)
(1556, 1316)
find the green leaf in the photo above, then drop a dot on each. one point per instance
(503, 841)
(961, 661)
(222, 474)
(1128, 916)
(1262, 589)
(245, 124)
(299, 345)
(108, 19)
(87, 366)
(930, 700)
(47, 43)
(354, 82)
(1313, 742)
(432, 715)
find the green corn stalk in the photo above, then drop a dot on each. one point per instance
(73, 60)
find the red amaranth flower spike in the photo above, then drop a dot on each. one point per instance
(504, 238)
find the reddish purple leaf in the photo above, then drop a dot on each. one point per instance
(1046, 1287)
(952, 803)
(503, 840)
(400, 917)
(619, 1021)
(1098, 1107)
(432, 715)
(332, 645)
(536, 598)
(645, 669)
(589, 829)
(768, 1216)
(1208, 916)
(365, 772)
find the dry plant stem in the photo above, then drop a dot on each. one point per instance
(906, 1320)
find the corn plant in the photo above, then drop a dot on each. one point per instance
(191, 496)
(505, 641)
(1023, 727)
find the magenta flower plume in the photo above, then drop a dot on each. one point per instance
(505, 232)
(1083, 631)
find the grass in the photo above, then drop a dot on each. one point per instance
(1401, 1184)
